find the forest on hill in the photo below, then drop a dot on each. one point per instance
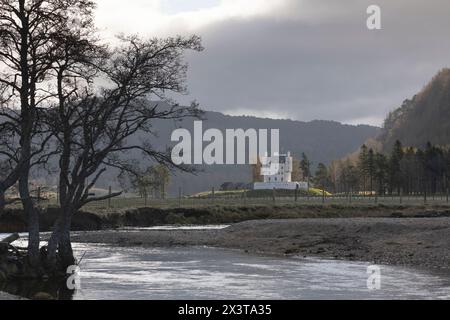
(411, 155)
(422, 119)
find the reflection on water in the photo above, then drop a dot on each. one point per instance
(176, 227)
(209, 273)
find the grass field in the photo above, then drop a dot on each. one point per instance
(137, 202)
(243, 198)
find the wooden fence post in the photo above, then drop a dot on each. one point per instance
(145, 197)
(109, 199)
(307, 191)
(39, 195)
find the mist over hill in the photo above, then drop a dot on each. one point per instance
(424, 118)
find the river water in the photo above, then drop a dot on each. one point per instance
(210, 273)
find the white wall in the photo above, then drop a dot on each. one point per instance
(280, 185)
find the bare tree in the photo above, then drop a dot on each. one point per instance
(162, 178)
(152, 181)
(142, 183)
(28, 29)
(94, 125)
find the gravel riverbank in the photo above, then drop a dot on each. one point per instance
(420, 242)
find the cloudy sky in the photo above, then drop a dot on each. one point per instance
(298, 59)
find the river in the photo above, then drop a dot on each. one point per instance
(210, 273)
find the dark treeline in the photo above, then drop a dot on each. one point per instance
(402, 171)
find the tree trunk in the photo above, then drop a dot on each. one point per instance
(52, 245)
(364, 186)
(2, 202)
(59, 252)
(65, 251)
(32, 215)
(65, 248)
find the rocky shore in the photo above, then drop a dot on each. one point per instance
(419, 242)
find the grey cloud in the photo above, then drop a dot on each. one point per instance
(315, 62)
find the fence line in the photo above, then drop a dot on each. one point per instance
(192, 202)
(243, 200)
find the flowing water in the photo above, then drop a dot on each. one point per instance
(210, 273)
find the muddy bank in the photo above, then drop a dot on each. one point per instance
(14, 220)
(422, 242)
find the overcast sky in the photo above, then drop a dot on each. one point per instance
(298, 59)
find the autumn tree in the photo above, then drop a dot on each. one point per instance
(143, 183)
(349, 177)
(256, 171)
(162, 179)
(296, 170)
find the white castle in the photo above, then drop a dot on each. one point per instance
(277, 173)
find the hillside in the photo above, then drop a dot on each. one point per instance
(424, 118)
(322, 141)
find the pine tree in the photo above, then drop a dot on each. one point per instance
(395, 173)
(322, 178)
(380, 172)
(305, 166)
(371, 168)
(362, 165)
